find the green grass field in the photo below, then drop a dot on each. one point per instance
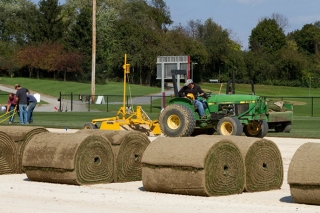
(304, 126)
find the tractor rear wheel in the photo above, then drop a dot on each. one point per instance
(177, 121)
(283, 127)
(256, 129)
(90, 126)
(229, 126)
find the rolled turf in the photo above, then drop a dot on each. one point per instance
(21, 136)
(69, 158)
(304, 174)
(263, 162)
(8, 155)
(193, 166)
(128, 148)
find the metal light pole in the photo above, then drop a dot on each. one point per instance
(93, 71)
(192, 63)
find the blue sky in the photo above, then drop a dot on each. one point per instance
(241, 16)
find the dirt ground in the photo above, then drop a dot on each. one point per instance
(20, 195)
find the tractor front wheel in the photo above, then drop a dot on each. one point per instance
(90, 126)
(229, 126)
(177, 121)
(256, 129)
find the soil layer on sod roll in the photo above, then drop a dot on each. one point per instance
(304, 174)
(193, 166)
(21, 136)
(263, 163)
(128, 148)
(8, 155)
(69, 159)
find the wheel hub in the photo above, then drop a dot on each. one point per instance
(253, 128)
(226, 128)
(173, 122)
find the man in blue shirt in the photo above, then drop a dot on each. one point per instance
(32, 102)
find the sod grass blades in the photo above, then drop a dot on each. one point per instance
(128, 148)
(263, 162)
(77, 159)
(304, 174)
(8, 155)
(193, 166)
(21, 136)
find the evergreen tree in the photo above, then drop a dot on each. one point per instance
(267, 36)
(51, 27)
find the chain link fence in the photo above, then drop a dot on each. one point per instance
(302, 106)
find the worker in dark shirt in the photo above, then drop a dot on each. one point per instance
(190, 87)
(22, 101)
(32, 102)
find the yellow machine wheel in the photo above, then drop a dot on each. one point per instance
(229, 126)
(90, 126)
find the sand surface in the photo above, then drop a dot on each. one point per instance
(20, 195)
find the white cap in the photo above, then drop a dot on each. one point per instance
(189, 81)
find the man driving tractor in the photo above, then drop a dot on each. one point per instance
(194, 89)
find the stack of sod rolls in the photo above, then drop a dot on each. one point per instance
(69, 159)
(8, 155)
(193, 166)
(263, 162)
(21, 136)
(304, 174)
(128, 148)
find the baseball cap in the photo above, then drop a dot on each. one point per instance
(189, 81)
(16, 86)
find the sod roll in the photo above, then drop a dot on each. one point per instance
(263, 162)
(128, 148)
(193, 166)
(69, 159)
(304, 174)
(21, 136)
(8, 155)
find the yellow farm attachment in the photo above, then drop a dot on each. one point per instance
(127, 119)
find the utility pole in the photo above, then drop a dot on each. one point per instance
(93, 71)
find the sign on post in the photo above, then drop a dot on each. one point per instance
(100, 100)
(165, 64)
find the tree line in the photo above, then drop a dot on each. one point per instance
(49, 40)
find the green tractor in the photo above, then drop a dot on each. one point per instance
(228, 114)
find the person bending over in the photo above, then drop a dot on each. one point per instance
(12, 102)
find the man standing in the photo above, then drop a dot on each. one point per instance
(22, 102)
(12, 102)
(32, 102)
(190, 87)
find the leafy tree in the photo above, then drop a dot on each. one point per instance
(51, 25)
(280, 19)
(308, 38)
(17, 21)
(267, 36)
(216, 41)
